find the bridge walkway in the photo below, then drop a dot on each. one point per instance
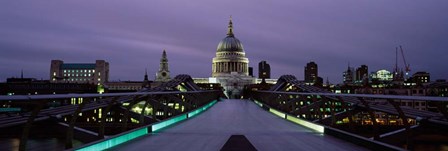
(212, 129)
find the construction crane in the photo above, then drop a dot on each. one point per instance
(406, 65)
(398, 75)
(396, 70)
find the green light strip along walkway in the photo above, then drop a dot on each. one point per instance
(200, 110)
(108, 143)
(307, 124)
(166, 123)
(211, 130)
(128, 136)
(10, 109)
(278, 113)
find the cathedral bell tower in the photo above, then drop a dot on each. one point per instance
(163, 75)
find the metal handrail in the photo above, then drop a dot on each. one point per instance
(89, 95)
(398, 97)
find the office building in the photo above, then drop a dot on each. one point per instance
(93, 73)
(264, 70)
(362, 73)
(251, 71)
(421, 77)
(311, 73)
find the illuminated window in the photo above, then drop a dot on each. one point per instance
(99, 113)
(65, 71)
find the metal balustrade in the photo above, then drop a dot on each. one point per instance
(292, 98)
(190, 102)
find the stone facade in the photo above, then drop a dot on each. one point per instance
(93, 73)
(163, 75)
(231, 66)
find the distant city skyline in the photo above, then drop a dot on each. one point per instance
(132, 35)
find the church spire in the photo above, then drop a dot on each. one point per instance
(146, 83)
(163, 74)
(146, 74)
(230, 27)
(163, 56)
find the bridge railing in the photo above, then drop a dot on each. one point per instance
(186, 102)
(392, 104)
(323, 111)
(112, 141)
(87, 95)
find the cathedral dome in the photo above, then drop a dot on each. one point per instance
(230, 57)
(230, 44)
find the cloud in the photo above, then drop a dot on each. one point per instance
(131, 35)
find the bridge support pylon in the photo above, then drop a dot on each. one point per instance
(69, 135)
(26, 129)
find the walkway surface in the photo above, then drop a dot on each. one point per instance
(211, 130)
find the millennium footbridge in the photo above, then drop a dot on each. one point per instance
(179, 115)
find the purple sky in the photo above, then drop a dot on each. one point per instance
(131, 35)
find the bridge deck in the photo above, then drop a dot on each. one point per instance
(211, 130)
